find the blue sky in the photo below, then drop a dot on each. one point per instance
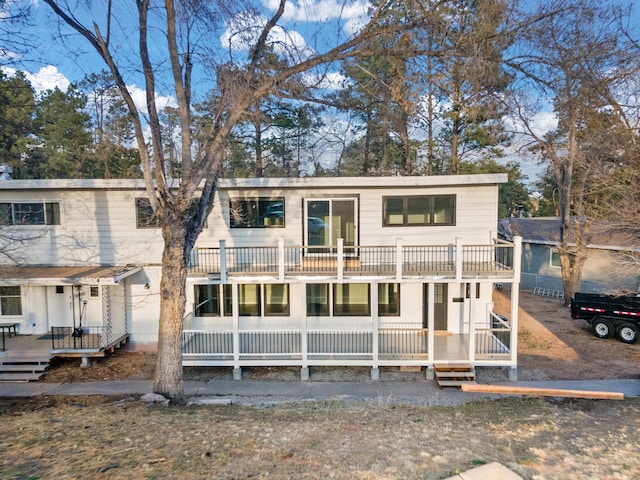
(307, 25)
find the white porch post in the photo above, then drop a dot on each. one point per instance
(399, 257)
(431, 344)
(515, 297)
(237, 372)
(472, 323)
(223, 261)
(340, 259)
(375, 370)
(459, 259)
(281, 259)
(304, 344)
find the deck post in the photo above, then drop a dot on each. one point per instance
(399, 258)
(281, 259)
(472, 324)
(304, 344)
(431, 343)
(375, 341)
(459, 259)
(237, 372)
(340, 259)
(515, 298)
(223, 261)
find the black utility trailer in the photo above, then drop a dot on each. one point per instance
(609, 315)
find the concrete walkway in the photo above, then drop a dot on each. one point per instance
(424, 392)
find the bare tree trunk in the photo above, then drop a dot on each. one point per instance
(168, 375)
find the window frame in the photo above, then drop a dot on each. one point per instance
(150, 220)
(392, 308)
(49, 211)
(223, 300)
(261, 206)
(347, 309)
(554, 253)
(408, 201)
(5, 295)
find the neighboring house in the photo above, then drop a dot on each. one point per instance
(392, 271)
(609, 267)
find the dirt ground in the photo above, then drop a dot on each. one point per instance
(94, 437)
(552, 346)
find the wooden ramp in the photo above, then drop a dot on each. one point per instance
(454, 375)
(542, 392)
(23, 366)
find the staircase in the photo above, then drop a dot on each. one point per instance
(23, 366)
(454, 375)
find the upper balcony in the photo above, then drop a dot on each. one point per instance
(454, 261)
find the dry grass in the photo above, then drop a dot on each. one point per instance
(127, 439)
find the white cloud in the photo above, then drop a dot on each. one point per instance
(321, 10)
(328, 81)
(47, 78)
(244, 29)
(140, 99)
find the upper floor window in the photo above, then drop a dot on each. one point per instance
(555, 258)
(145, 217)
(419, 210)
(256, 213)
(30, 213)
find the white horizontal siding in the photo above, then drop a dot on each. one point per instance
(99, 224)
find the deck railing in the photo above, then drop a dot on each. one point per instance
(393, 343)
(78, 338)
(495, 341)
(411, 260)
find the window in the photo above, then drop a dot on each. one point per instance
(555, 258)
(351, 299)
(32, 213)
(59, 288)
(419, 210)
(388, 299)
(256, 213)
(318, 299)
(145, 217)
(328, 220)
(10, 301)
(249, 300)
(276, 299)
(94, 291)
(208, 301)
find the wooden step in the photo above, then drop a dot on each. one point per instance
(454, 375)
(25, 367)
(455, 383)
(20, 377)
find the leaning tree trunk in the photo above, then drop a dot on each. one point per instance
(168, 375)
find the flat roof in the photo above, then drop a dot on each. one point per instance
(255, 183)
(45, 275)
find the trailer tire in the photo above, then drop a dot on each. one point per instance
(628, 333)
(602, 328)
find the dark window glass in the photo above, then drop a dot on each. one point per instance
(10, 301)
(350, 299)
(256, 213)
(318, 299)
(388, 299)
(276, 300)
(207, 300)
(249, 300)
(419, 210)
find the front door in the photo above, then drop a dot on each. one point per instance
(440, 306)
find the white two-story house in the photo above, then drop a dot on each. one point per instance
(390, 271)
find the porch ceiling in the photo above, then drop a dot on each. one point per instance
(65, 275)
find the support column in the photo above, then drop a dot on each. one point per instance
(281, 260)
(237, 371)
(459, 259)
(399, 258)
(223, 261)
(515, 299)
(304, 344)
(431, 295)
(472, 324)
(340, 259)
(375, 341)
